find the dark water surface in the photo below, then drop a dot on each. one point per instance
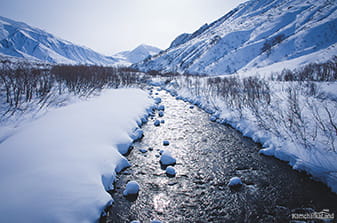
(208, 154)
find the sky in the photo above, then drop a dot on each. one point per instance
(111, 26)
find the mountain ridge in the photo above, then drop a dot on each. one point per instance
(20, 40)
(257, 33)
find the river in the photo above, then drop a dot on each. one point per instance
(208, 154)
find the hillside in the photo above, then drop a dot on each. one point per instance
(256, 34)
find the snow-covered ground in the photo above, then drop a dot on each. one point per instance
(57, 168)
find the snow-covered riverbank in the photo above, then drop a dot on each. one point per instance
(58, 168)
(291, 124)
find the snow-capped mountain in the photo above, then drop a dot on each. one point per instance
(256, 34)
(20, 40)
(136, 55)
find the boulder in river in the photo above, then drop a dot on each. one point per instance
(157, 100)
(131, 188)
(167, 159)
(170, 171)
(235, 182)
(156, 123)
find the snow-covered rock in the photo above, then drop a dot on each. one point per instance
(167, 159)
(156, 123)
(157, 100)
(161, 114)
(170, 171)
(255, 34)
(137, 134)
(161, 107)
(132, 187)
(20, 40)
(235, 181)
(142, 150)
(213, 118)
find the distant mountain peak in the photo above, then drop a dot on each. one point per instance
(17, 39)
(136, 55)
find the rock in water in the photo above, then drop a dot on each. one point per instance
(234, 182)
(131, 188)
(170, 171)
(167, 159)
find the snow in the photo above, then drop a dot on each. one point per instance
(234, 181)
(167, 159)
(170, 171)
(58, 167)
(132, 187)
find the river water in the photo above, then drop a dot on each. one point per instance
(208, 154)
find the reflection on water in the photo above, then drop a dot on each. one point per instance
(208, 154)
(161, 202)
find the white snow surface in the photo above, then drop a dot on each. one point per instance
(295, 30)
(58, 168)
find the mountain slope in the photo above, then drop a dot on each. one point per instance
(255, 34)
(23, 41)
(136, 55)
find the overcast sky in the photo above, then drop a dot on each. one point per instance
(110, 26)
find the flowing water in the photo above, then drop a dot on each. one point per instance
(208, 154)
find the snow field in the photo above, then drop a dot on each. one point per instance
(59, 167)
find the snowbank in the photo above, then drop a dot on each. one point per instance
(58, 168)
